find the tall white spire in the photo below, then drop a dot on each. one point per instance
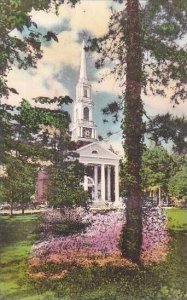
(83, 127)
(83, 70)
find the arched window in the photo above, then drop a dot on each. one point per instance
(86, 113)
(94, 152)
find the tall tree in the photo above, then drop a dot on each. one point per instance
(132, 132)
(18, 184)
(145, 44)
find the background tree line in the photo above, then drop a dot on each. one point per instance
(36, 137)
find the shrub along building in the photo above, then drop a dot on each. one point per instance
(102, 165)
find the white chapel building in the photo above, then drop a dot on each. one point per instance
(102, 165)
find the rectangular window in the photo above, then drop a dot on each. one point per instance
(85, 92)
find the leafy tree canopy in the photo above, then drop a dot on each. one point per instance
(177, 186)
(18, 185)
(168, 128)
(157, 167)
(64, 187)
(38, 134)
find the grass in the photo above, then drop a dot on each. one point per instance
(165, 281)
(22, 218)
(16, 243)
(177, 218)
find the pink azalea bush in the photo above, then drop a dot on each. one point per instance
(155, 236)
(101, 240)
(52, 218)
(67, 215)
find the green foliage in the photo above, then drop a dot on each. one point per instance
(18, 185)
(177, 186)
(124, 178)
(34, 117)
(35, 135)
(168, 128)
(64, 187)
(157, 167)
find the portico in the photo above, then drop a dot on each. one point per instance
(102, 173)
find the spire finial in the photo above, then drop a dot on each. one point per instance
(83, 71)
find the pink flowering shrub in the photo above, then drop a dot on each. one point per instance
(67, 215)
(155, 236)
(53, 219)
(100, 241)
(100, 238)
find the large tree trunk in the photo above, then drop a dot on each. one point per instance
(132, 130)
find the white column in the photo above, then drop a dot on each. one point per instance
(85, 183)
(109, 183)
(103, 182)
(116, 184)
(96, 182)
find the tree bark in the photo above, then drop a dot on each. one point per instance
(132, 131)
(11, 209)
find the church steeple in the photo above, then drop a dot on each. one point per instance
(83, 69)
(83, 127)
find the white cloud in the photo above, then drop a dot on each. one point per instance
(162, 105)
(87, 15)
(65, 52)
(117, 146)
(108, 84)
(46, 19)
(38, 83)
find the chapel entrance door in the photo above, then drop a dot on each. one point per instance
(91, 187)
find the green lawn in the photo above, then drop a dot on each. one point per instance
(18, 235)
(177, 218)
(166, 281)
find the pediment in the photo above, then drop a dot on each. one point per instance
(97, 149)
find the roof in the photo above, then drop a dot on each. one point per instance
(97, 149)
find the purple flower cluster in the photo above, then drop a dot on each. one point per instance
(68, 215)
(101, 239)
(155, 236)
(154, 228)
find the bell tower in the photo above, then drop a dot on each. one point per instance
(83, 127)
